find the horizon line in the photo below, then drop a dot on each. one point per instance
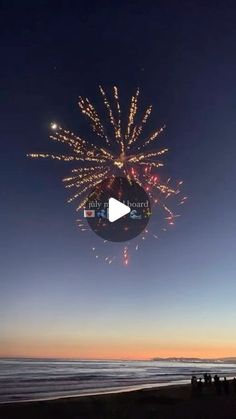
(116, 359)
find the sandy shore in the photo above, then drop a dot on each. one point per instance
(162, 403)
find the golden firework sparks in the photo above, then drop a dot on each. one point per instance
(124, 152)
(103, 160)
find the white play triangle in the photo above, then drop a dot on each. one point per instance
(116, 209)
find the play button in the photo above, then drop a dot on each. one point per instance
(117, 210)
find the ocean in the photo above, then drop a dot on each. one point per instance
(36, 379)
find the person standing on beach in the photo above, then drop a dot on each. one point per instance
(217, 383)
(234, 385)
(199, 386)
(226, 386)
(193, 385)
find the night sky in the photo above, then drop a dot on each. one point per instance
(177, 296)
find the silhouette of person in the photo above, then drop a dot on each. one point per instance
(205, 376)
(193, 385)
(216, 378)
(234, 384)
(193, 380)
(226, 386)
(199, 386)
(218, 386)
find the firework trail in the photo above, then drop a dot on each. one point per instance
(120, 150)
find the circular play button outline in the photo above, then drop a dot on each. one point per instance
(118, 209)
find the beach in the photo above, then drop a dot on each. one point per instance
(40, 379)
(170, 402)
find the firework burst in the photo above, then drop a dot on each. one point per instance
(119, 150)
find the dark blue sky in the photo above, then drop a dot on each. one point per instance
(182, 56)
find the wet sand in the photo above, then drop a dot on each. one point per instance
(162, 403)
